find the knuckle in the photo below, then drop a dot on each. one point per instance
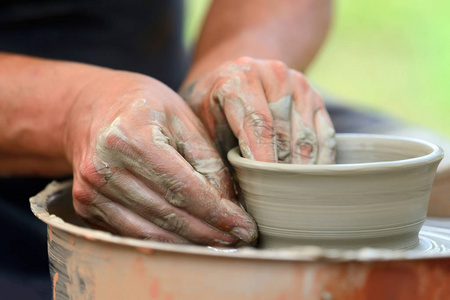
(241, 65)
(123, 134)
(232, 85)
(83, 194)
(316, 101)
(112, 138)
(246, 60)
(174, 223)
(278, 66)
(228, 90)
(300, 79)
(175, 194)
(280, 69)
(260, 121)
(319, 105)
(170, 221)
(89, 174)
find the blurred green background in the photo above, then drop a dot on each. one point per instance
(390, 56)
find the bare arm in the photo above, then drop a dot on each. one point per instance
(35, 98)
(291, 31)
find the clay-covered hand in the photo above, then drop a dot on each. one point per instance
(270, 109)
(145, 167)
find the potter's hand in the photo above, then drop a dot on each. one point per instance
(271, 110)
(145, 167)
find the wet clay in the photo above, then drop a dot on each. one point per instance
(375, 196)
(283, 113)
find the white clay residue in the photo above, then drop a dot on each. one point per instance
(306, 137)
(326, 136)
(233, 69)
(111, 156)
(302, 136)
(199, 152)
(281, 114)
(232, 99)
(245, 150)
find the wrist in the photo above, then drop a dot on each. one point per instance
(245, 44)
(97, 101)
(35, 100)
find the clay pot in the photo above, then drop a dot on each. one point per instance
(375, 196)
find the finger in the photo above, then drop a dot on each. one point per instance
(325, 137)
(278, 89)
(244, 104)
(281, 113)
(193, 143)
(166, 172)
(304, 147)
(217, 125)
(126, 189)
(197, 95)
(113, 217)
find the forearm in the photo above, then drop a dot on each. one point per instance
(35, 98)
(142, 163)
(289, 30)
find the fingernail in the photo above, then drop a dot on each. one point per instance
(217, 242)
(247, 235)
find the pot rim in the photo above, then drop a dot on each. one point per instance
(436, 154)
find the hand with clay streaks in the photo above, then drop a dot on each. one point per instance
(145, 167)
(270, 110)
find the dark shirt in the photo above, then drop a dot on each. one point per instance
(136, 35)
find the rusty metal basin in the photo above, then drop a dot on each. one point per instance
(91, 264)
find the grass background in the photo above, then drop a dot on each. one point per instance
(391, 56)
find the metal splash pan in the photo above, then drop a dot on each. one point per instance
(92, 264)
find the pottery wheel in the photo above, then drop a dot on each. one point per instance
(434, 242)
(434, 237)
(87, 264)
